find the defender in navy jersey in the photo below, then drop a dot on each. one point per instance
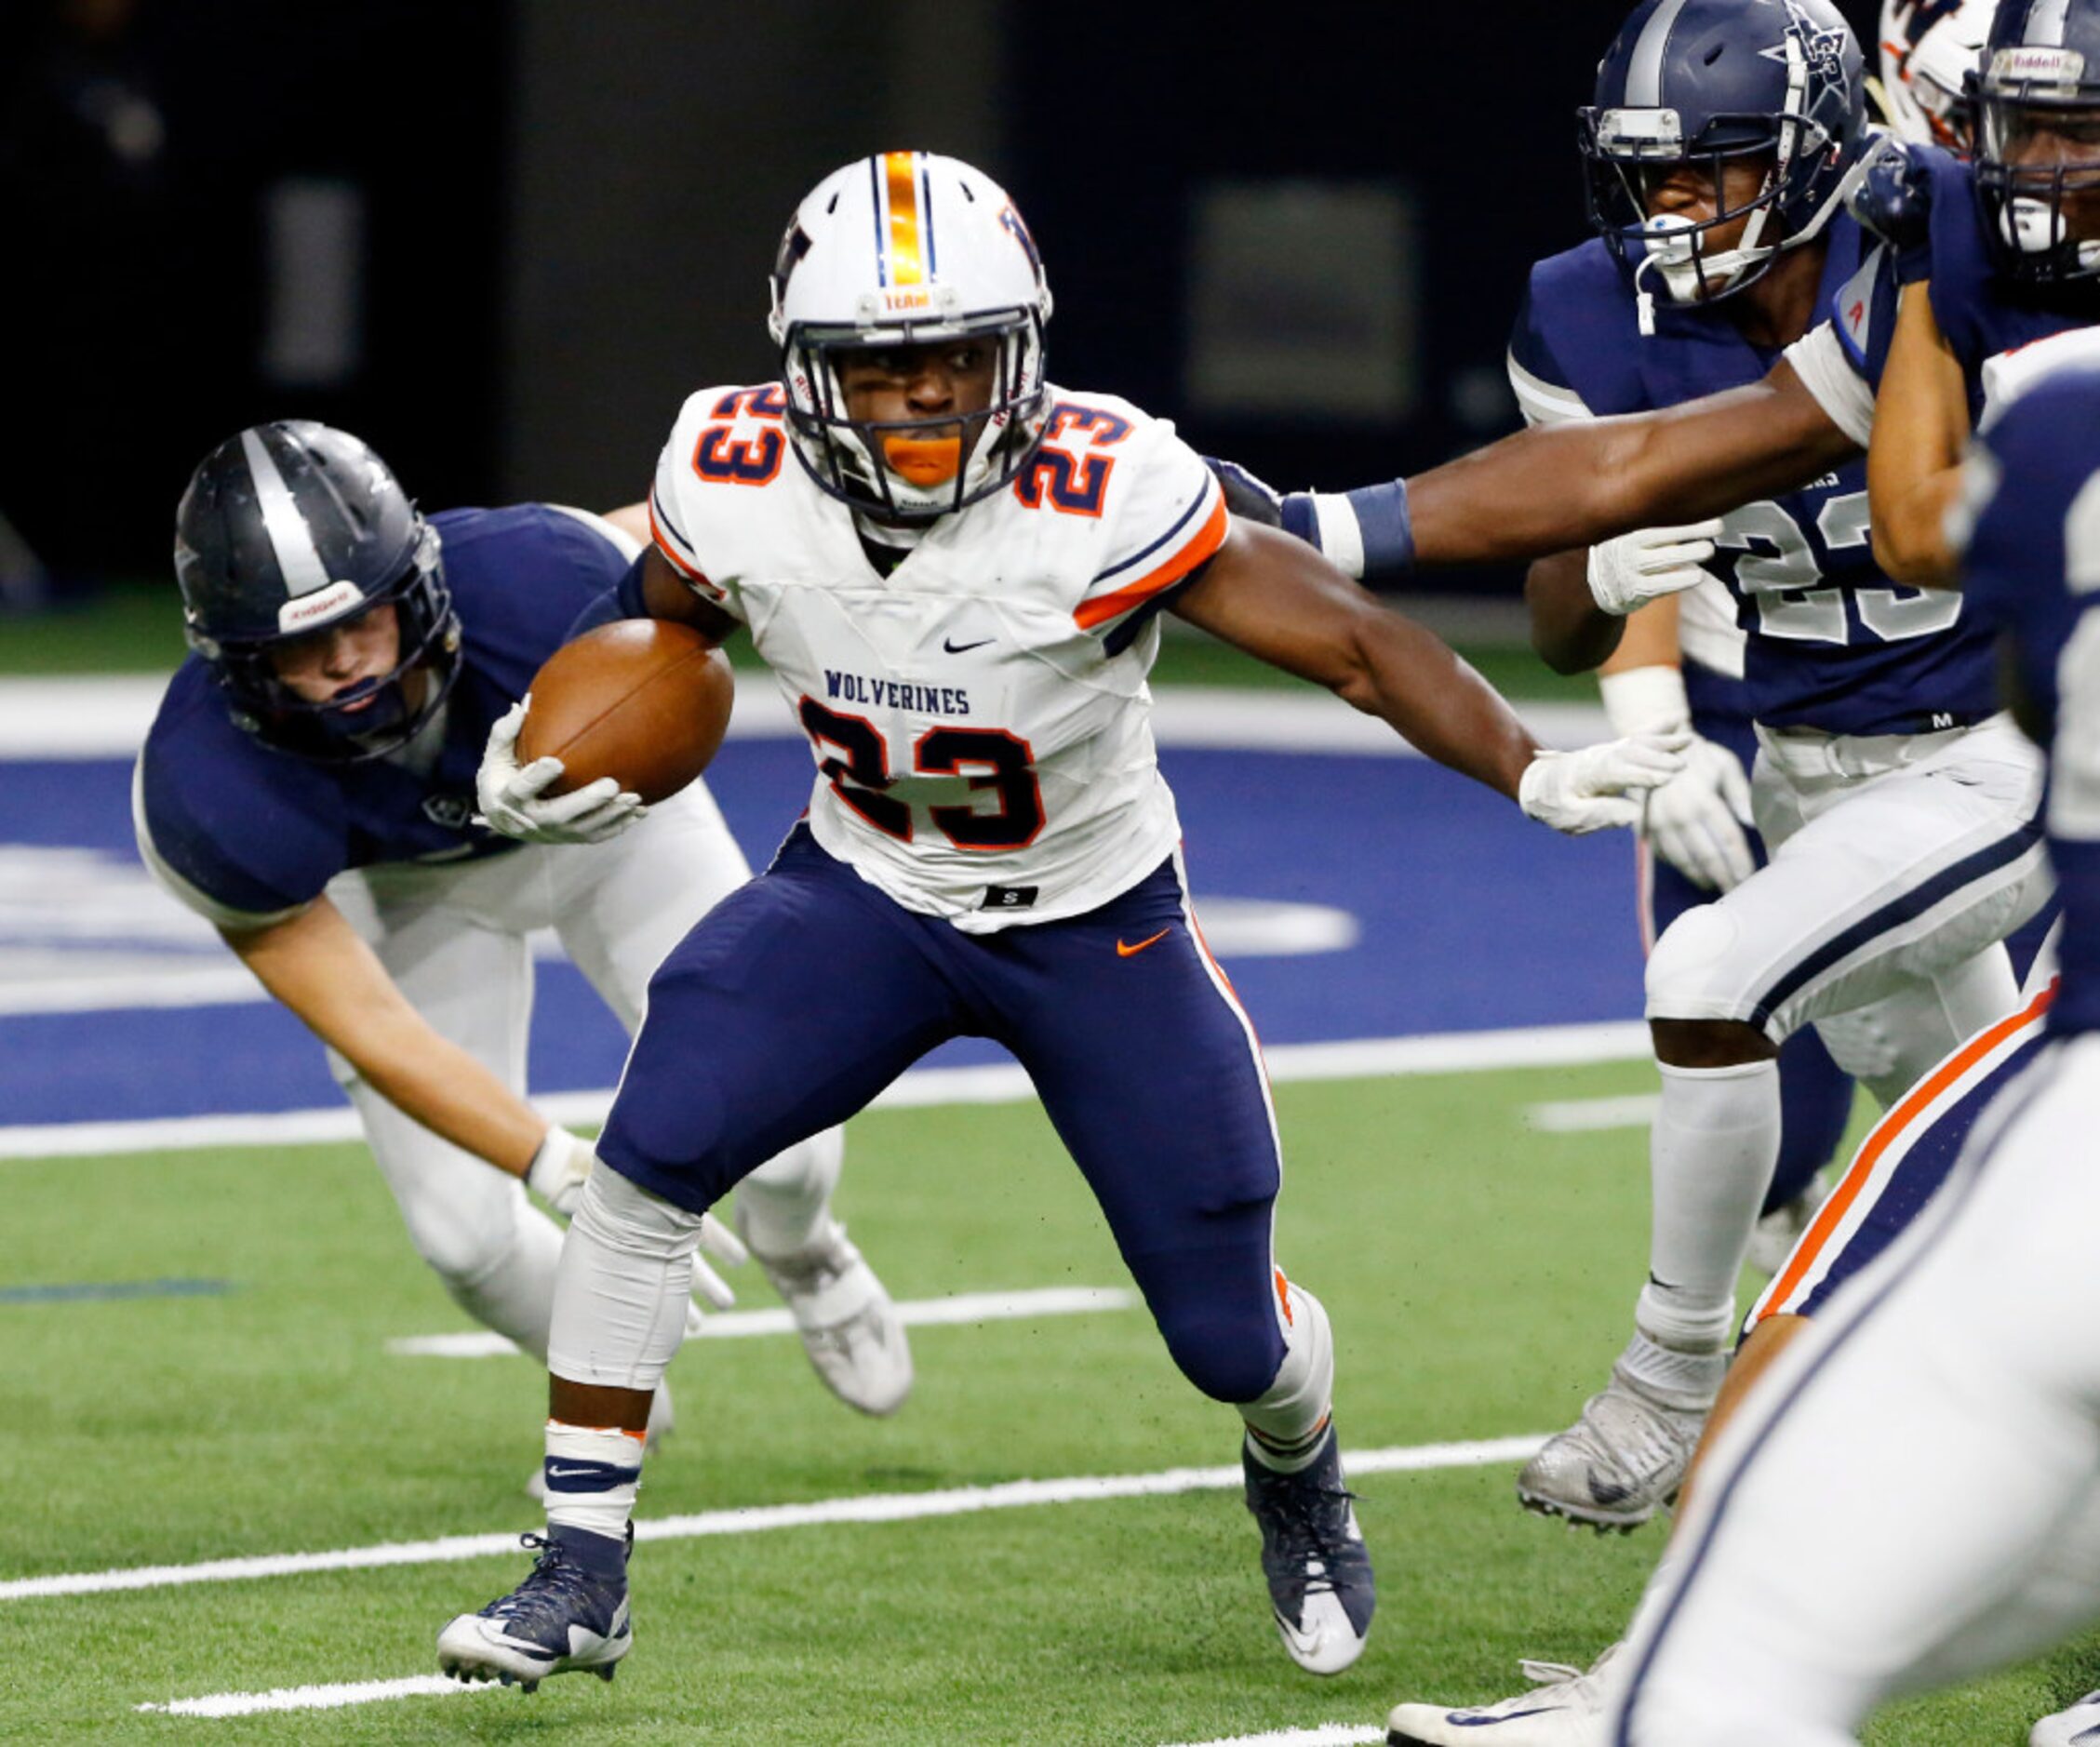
(1895, 803)
(1915, 1495)
(308, 786)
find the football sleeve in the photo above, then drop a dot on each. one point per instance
(675, 509)
(1169, 518)
(190, 863)
(1840, 359)
(1541, 384)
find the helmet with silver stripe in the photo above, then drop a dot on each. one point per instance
(1708, 83)
(289, 529)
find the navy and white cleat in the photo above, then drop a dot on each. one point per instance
(568, 1615)
(1313, 1556)
(1566, 1708)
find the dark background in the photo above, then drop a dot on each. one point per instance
(566, 208)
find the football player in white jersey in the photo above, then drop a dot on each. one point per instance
(954, 569)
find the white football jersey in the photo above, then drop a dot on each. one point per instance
(979, 717)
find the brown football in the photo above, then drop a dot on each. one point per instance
(642, 700)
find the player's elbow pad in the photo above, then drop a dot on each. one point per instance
(626, 601)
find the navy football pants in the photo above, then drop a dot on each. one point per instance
(804, 994)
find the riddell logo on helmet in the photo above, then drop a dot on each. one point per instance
(303, 611)
(907, 300)
(2030, 65)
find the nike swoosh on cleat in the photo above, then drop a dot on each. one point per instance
(954, 647)
(1456, 1721)
(1124, 949)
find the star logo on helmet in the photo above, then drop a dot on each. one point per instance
(1823, 52)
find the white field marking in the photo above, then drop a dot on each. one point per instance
(318, 1697)
(991, 1083)
(957, 1308)
(108, 717)
(875, 1507)
(1321, 1735)
(1579, 1115)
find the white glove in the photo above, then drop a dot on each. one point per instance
(1696, 819)
(510, 797)
(558, 1169)
(725, 1247)
(1648, 564)
(1594, 789)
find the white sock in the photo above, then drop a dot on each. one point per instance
(1712, 1150)
(1287, 1424)
(785, 1203)
(593, 1472)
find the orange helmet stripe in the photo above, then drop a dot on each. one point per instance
(904, 245)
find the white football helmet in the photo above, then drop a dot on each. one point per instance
(1928, 48)
(909, 249)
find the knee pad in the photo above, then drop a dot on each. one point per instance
(1688, 975)
(623, 1284)
(1232, 1353)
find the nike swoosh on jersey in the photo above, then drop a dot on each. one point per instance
(954, 647)
(1124, 949)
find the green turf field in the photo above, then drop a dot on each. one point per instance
(1479, 1274)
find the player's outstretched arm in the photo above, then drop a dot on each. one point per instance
(1545, 490)
(1921, 434)
(318, 967)
(1278, 600)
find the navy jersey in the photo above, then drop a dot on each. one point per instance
(2033, 570)
(253, 831)
(1981, 314)
(1831, 643)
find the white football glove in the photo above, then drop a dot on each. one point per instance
(1598, 787)
(1644, 565)
(511, 802)
(558, 1169)
(725, 1247)
(1696, 819)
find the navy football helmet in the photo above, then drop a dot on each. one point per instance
(2038, 138)
(1705, 82)
(292, 527)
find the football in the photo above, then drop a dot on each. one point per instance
(642, 700)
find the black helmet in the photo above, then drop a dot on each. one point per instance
(290, 528)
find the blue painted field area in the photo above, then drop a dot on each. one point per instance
(1466, 916)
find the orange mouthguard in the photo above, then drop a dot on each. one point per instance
(924, 460)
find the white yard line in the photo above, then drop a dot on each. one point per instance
(957, 1308)
(1581, 1115)
(1321, 1735)
(993, 1083)
(317, 1697)
(873, 1507)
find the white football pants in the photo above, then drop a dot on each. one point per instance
(1898, 864)
(1912, 1495)
(454, 938)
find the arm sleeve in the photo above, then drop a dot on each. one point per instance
(253, 905)
(1542, 392)
(1170, 518)
(1827, 371)
(673, 511)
